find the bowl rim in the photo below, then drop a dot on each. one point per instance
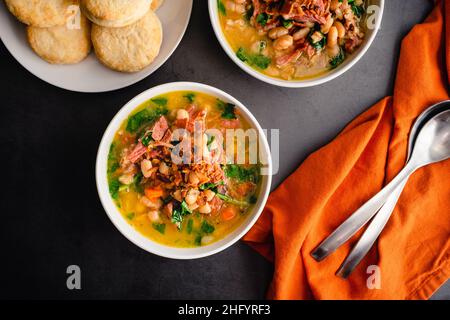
(333, 74)
(135, 236)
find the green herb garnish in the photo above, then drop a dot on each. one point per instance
(357, 10)
(228, 109)
(241, 173)
(179, 212)
(160, 227)
(210, 141)
(207, 228)
(221, 7)
(190, 96)
(144, 116)
(162, 102)
(337, 60)
(190, 226)
(229, 199)
(198, 240)
(211, 186)
(113, 167)
(286, 23)
(113, 164)
(114, 186)
(262, 19)
(317, 44)
(146, 139)
(259, 60)
(112, 153)
(130, 216)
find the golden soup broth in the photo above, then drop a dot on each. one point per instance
(241, 35)
(193, 228)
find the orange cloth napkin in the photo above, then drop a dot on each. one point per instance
(413, 252)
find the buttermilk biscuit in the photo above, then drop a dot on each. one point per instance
(42, 13)
(61, 45)
(115, 13)
(156, 4)
(130, 48)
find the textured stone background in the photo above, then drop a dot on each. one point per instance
(51, 215)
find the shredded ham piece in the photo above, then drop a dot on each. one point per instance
(159, 128)
(301, 11)
(231, 124)
(138, 151)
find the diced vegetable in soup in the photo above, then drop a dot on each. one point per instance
(293, 39)
(187, 203)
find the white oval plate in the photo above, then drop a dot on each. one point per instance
(90, 75)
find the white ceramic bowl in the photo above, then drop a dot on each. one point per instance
(346, 65)
(126, 229)
(90, 75)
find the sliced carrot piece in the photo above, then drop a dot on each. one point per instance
(228, 213)
(153, 193)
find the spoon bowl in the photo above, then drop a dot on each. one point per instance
(433, 141)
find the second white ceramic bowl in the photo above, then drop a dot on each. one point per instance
(126, 229)
(378, 6)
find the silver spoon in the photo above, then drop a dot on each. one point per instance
(432, 145)
(378, 223)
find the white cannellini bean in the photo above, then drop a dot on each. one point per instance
(207, 239)
(340, 28)
(235, 7)
(209, 195)
(193, 178)
(153, 215)
(300, 34)
(333, 51)
(193, 206)
(326, 27)
(316, 36)
(152, 204)
(182, 114)
(126, 179)
(177, 195)
(146, 166)
(205, 209)
(332, 37)
(273, 71)
(277, 32)
(191, 196)
(283, 42)
(164, 168)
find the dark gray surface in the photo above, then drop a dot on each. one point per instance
(51, 214)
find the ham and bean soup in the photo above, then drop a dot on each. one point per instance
(192, 200)
(293, 39)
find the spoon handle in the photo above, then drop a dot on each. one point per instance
(371, 234)
(360, 217)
